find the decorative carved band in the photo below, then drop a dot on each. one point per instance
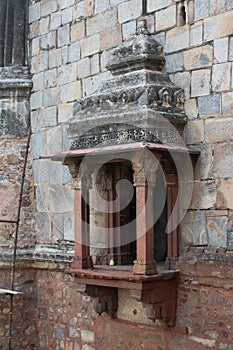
(125, 135)
(150, 96)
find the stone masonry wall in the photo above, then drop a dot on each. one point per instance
(70, 41)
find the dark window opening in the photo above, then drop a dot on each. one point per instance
(182, 15)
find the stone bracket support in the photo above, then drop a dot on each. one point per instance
(158, 293)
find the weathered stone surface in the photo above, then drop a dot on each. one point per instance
(201, 9)
(34, 12)
(44, 25)
(177, 39)
(128, 29)
(200, 82)
(194, 132)
(90, 45)
(219, 130)
(50, 97)
(129, 10)
(47, 7)
(224, 195)
(221, 50)
(54, 140)
(196, 34)
(70, 92)
(55, 21)
(67, 15)
(193, 228)
(55, 58)
(227, 103)
(221, 77)
(155, 5)
(203, 168)
(110, 38)
(209, 105)
(63, 35)
(183, 80)
(77, 31)
(200, 57)
(223, 160)
(165, 18)
(101, 22)
(190, 108)
(217, 231)
(74, 52)
(47, 41)
(218, 26)
(204, 195)
(65, 112)
(174, 62)
(84, 8)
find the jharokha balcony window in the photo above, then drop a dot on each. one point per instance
(132, 178)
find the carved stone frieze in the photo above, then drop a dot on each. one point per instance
(150, 96)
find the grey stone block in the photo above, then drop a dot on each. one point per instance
(41, 171)
(38, 144)
(74, 52)
(55, 20)
(43, 226)
(95, 64)
(47, 41)
(42, 199)
(61, 199)
(63, 35)
(34, 12)
(209, 105)
(57, 226)
(201, 8)
(217, 231)
(69, 226)
(223, 160)
(36, 100)
(128, 29)
(129, 10)
(174, 63)
(229, 5)
(54, 140)
(67, 73)
(65, 54)
(55, 58)
(101, 5)
(50, 78)
(43, 61)
(193, 229)
(84, 68)
(43, 118)
(55, 173)
(65, 3)
(50, 97)
(48, 7)
(38, 81)
(67, 15)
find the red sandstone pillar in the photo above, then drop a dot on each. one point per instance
(145, 263)
(82, 258)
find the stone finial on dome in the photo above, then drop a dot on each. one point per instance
(141, 51)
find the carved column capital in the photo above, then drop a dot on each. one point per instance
(145, 171)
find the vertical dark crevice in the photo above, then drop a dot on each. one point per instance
(18, 51)
(9, 33)
(144, 7)
(2, 30)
